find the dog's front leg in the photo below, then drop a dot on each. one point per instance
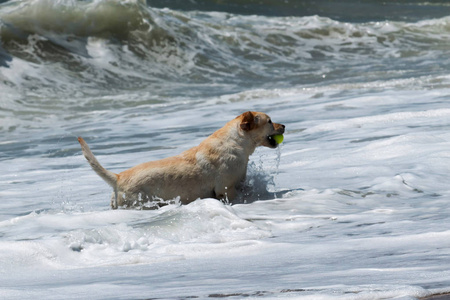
(226, 193)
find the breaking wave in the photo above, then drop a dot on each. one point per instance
(100, 47)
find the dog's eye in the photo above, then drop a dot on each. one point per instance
(270, 121)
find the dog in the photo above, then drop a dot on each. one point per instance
(213, 169)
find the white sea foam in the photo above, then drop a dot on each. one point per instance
(359, 212)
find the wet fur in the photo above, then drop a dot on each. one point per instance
(212, 169)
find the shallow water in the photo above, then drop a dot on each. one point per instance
(353, 205)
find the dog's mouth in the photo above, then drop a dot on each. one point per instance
(272, 142)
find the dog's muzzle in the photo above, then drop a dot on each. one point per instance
(279, 129)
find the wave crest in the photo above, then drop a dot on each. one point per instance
(113, 46)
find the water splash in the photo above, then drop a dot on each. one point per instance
(260, 182)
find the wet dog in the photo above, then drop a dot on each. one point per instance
(213, 169)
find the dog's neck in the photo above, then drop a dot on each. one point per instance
(230, 139)
(245, 140)
(241, 141)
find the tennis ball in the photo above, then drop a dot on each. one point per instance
(278, 138)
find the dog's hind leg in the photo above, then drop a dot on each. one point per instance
(114, 204)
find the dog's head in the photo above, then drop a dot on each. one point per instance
(260, 128)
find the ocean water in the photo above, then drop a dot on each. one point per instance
(353, 205)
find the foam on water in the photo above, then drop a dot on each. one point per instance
(89, 239)
(360, 209)
(125, 45)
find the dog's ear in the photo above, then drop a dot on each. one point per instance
(248, 121)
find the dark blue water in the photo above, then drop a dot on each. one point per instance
(345, 11)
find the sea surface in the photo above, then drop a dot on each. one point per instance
(354, 204)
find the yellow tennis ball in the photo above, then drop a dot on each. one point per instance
(278, 138)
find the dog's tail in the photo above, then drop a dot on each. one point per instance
(108, 176)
